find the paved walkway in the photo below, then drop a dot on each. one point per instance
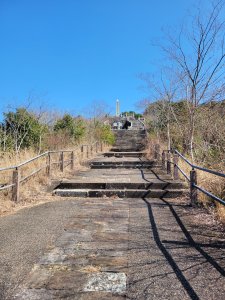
(113, 248)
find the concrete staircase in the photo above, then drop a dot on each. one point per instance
(123, 172)
(129, 140)
(152, 189)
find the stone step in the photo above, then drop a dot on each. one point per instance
(129, 193)
(168, 185)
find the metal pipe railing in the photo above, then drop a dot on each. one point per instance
(200, 168)
(192, 179)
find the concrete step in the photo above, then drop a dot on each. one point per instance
(129, 131)
(161, 185)
(124, 154)
(129, 140)
(127, 149)
(131, 137)
(124, 165)
(129, 193)
(123, 162)
(125, 145)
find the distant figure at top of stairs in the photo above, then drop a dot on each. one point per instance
(131, 140)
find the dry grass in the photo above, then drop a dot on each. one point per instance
(34, 190)
(214, 185)
(210, 182)
(150, 149)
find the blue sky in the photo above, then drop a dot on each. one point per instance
(67, 54)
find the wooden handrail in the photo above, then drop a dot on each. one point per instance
(16, 178)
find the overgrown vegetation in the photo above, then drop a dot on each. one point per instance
(24, 134)
(23, 129)
(209, 142)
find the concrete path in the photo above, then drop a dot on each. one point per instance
(112, 248)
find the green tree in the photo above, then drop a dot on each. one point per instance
(22, 128)
(105, 134)
(74, 127)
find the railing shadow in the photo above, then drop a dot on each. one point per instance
(189, 243)
(178, 272)
(154, 173)
(192, 243)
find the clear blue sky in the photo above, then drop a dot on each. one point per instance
(69, 53)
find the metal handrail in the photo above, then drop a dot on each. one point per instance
(184, 158)
(200, 168)
(221, 201)
(183, 173)
(193, 183)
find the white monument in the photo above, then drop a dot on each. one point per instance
(117, 108)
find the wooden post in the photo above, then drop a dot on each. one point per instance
(72, 160)
(157, 152)
(175, 169)
(48, 162)
(82, 151)
(168, 163)
(16, 187)
(163, 160)
(61, 162)
(96, 147)
(101, 146)
(193, 189)
(87, 151)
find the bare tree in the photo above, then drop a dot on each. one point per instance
(98, 110)
(166, 90)
(200, 55)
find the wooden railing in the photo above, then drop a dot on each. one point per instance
(170, 163)
(45, 161)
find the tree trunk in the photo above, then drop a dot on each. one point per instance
(168, 127)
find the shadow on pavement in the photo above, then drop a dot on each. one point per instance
(165, 246)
